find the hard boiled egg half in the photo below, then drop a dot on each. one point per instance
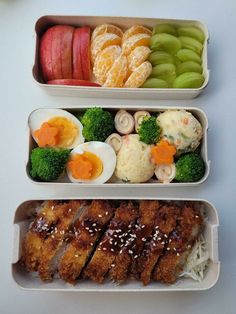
(55, 128)
(91, 162)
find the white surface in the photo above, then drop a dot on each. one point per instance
(19, 96)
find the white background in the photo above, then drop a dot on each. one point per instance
(19, 95)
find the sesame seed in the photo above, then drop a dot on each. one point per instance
(130, 252)
(87, 228)
(174, 249)
(106, 213)
(170, 241)
(99, 215)
(159, 238)
(99, 249)
(168, 249)
(44, 213)
(76, 255)
(143, 226)
(91, 234)
(157, 227)
(177, 254)
(69, 210)
(94, 224)
(112, 265)
(163, 242)
(154, 244)
(189, 246)
(91, 244)
(196, 216)
(112, 249)
(115, 243)
(53, 236)
(165, 235)
(52, 207)
(135, 256)
(143, 239)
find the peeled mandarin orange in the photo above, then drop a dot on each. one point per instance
(137, 57)
(117, 74)
(139, 76)
(106, 28)
(134, 30)
(104, 62)
(135, 41)
(103, 41)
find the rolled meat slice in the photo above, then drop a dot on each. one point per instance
(124, 122)
(138, 118)
(165, 173)
(115, 141)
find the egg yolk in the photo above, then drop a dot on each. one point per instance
(87, 166)
(58, 131)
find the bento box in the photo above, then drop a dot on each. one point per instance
(31, 281)
(132, 162)
(123, 23)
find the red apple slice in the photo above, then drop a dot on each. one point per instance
(66, 51)
(45, 55)
(77, 62)
(85, 51)
(56, 51)
(73, 82)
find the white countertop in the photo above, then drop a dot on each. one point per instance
(20, 95)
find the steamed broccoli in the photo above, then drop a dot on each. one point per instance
(149, 131)
(48, 163)
(189, 168)
(98, 124)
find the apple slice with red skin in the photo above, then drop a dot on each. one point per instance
(73, 82)
(85, 51)
(45, 55)
(57, 31)
(77, 62)
(66, 50)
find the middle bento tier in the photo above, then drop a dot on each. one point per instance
(155, 146)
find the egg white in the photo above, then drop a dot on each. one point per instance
(107, 155)
(39, 116)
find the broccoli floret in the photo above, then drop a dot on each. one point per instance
(149, 131)
(98, 124)
(189, 168)
(48, 163)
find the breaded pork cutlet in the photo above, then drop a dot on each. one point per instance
(164, 224)
(135, 243)
(189, 225)
(88, 230)
(113, 240)
(39, 230)
(55, 244)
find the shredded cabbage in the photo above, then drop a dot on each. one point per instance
(197, 261)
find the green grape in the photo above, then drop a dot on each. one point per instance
(188, 66)
(189, 80)
(188, 55)
(160, 57)
(155, 83)
(164, 28)
(191, 43)
(166, 42)
(164, 72)
(192, 31)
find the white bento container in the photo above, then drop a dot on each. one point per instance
(30, 281)
(106, 92)
(198, 113)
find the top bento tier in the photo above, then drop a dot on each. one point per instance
(78, 32)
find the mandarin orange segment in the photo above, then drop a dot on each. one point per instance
(139, 75)
(104, 62)
(134, 30)
(103, 41)
(137, 57)
(106, 28)
(118, 72)
(135, 41)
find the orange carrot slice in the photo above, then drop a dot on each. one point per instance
(80, 167)
(163, 153)
(47, 135)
